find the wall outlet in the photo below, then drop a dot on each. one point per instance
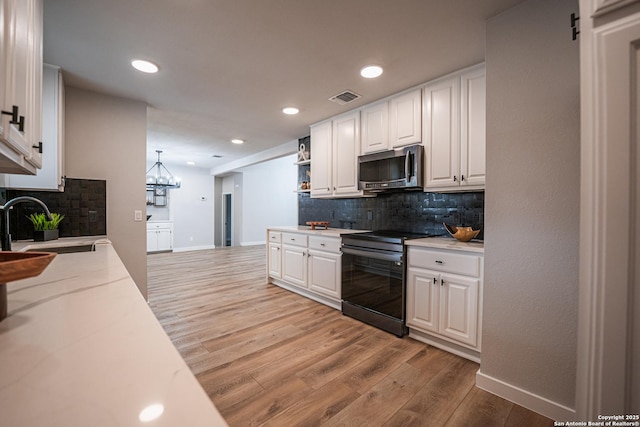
(137, 215)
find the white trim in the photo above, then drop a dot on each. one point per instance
(281, 150)
(194, 248)
(253, 243)
(522, 397)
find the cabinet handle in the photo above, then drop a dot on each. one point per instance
(441, 282)
(461, 177)
(439, 262)
(328, 189)
(21, 124)
(321, 244)
(39, 147)
(434, 280)
(455, 178)
(13, 113)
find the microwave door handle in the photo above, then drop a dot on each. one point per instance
(407, 169)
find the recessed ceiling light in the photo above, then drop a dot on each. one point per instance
(191, 163)
(144, 66)
(371, 71)
(237, 141)
(290, 110)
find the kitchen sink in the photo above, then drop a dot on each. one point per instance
(90, 247)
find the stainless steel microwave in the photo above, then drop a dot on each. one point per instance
(397, 169)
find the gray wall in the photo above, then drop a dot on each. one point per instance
(532, 200)
(106, 139)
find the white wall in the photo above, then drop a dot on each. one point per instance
(269, 197)
(106, 139)
(191, 209)
(532, 204)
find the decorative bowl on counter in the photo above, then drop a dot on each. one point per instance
(463, 234)
(18, 266)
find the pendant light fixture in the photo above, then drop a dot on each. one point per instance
(159, 176)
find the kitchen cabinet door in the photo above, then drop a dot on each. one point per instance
(325, 273)
(275, 260)
(165, 240)
(51, 175)
(473, 128)
(405, 114)
(294, 265)
(442, 132)
(346, 147)
(22, 37)
(423, 299)
(321, 160)
(375, 128)
(459, 308)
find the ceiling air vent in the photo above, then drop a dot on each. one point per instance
(344, 97)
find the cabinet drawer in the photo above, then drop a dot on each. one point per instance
(159, 225)
(275, 237)
(324, 244)
(294, 239)
(449, 262)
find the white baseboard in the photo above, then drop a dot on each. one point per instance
(539, 404)
(194, 248)
(252, 243)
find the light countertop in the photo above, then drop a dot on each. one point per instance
(319, 231)
(448, 243)
(81, 347)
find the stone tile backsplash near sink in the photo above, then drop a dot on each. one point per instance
(83, 203)
(413, 211)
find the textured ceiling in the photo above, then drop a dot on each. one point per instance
(228, 67)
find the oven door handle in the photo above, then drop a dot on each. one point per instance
(373, 254)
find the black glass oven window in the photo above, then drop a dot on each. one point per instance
(373, 284)
(383, 170)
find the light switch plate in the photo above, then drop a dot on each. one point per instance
(137, 215)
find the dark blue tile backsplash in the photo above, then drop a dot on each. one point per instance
(413, 211)
(83, 203)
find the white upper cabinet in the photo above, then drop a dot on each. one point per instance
(442, 132)
(346, 147)
(51, 176)
(321, 142)
(335, 146)
(405, 119)
(473, 128)
(21, 86)
(454, 131)
(375, 128)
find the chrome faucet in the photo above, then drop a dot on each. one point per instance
(5, 235)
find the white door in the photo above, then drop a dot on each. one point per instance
(442, 132)
(346, 147)
(609, 381)
(275, 260)
(375, 128)
(324, 273)
(405, 115)
(294, 265)
(423, 299)
(459, 308)
(473, 127)
(321, 141)
(165, 242)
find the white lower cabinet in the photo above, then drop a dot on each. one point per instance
(159, 236)
(444, 291)
(307, 264)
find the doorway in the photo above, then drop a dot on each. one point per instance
(227, 216)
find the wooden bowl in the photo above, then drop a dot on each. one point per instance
(463, 234)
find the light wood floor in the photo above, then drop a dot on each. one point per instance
(269, 357)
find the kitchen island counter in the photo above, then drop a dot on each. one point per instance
(81, 347)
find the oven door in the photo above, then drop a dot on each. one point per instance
(374, 281)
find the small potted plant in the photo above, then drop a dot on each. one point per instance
(44, 229)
